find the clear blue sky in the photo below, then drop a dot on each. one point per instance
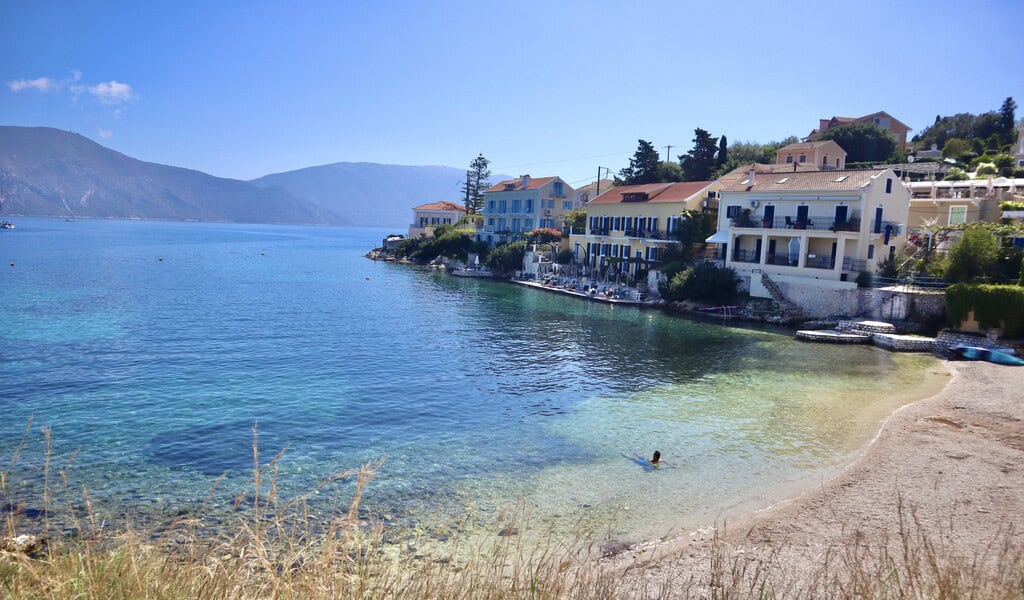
(549, 88)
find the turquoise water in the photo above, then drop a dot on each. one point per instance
(479, 394)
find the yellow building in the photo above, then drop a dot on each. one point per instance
(825, 154)
(629, 227)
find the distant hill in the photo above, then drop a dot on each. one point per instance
(50, 172)
(370, 194)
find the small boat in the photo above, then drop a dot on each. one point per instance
(6, 225)
(472, 272)
(992, 356)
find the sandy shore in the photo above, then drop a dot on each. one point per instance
(954, 461)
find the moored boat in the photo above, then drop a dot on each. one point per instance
(992, 356)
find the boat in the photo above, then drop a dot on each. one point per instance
(471, 272)
(992, 356)
(6, 225)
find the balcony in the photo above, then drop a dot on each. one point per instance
(813, 224)
(649, 234)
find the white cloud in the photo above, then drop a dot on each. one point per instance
(106, 133)
(112, 92)
(42, 84)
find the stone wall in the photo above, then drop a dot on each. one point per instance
(886, 305)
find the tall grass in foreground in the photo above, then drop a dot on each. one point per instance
(278, 549)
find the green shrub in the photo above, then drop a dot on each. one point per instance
(864, 279)
(986, 169)
(506, 258)
(974, 256)
(705, 282)
(564, 257)
(1011, 205)
(956, 174)
(1018, 172)
(993, 306)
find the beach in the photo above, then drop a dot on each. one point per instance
(944, 471)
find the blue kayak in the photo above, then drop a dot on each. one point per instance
(992, 356)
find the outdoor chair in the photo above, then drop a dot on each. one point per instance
(789, 222)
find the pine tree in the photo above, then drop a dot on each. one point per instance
(723, 151)
(699, 162)
(476, 183)
(1007, 119)
(643, 167)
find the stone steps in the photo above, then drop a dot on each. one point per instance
(878, 333)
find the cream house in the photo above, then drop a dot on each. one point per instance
(810, 230)
(897, 128)
(826, 154)
(628, 227)
(426, 217)
(958, 202)
(516, 207)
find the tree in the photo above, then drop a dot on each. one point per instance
(955, 148)
(973, 256)
(863, 142)
(699, 162)
(1007, 119)
(575, 220)
(723, 151)
(955, 174)
(476, 183)
(694, 227)
(643, 167)
(669, 172)
(506, 258)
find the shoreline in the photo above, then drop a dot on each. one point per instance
(951, 459)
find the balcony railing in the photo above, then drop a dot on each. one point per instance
(814, 224)
(746, 256)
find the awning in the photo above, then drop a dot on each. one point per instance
(720, 237)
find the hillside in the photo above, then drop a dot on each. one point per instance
(50, 172)
(370, 194)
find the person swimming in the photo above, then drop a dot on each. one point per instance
(656, 459)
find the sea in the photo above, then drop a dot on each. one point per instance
(139, 362)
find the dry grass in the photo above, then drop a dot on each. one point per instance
(277, 549)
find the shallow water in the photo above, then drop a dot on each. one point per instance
(479, 394)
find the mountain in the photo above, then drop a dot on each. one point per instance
(370, 194)
(50, 172)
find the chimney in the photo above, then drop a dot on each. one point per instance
(526, 181)
(750, 179)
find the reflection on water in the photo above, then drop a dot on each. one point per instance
(476, 392)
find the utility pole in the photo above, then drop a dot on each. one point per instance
(668, 153)
(598, 192)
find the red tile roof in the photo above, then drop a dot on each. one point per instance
(535, 182)
(441, 205)
(656, 192)
(805, 180)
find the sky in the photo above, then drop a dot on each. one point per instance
(244, 89)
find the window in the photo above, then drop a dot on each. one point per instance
(516, 205)
(558, 188)
(824, 160)
(625, 251)
(803, 158)
(447, 221)
(529, 205)
(888, 185)
(490, 206)
(502, 206)
(789, 159)
(423, 221)
(515, 224)
(527, 224)
(871, 251)
(490, 222)
(957, 215)
(567, 204)
(732, 212)
(434, 220)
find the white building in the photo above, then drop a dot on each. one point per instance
(1018, 150)
(516, 207)
(810, 231)
(426, 217)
